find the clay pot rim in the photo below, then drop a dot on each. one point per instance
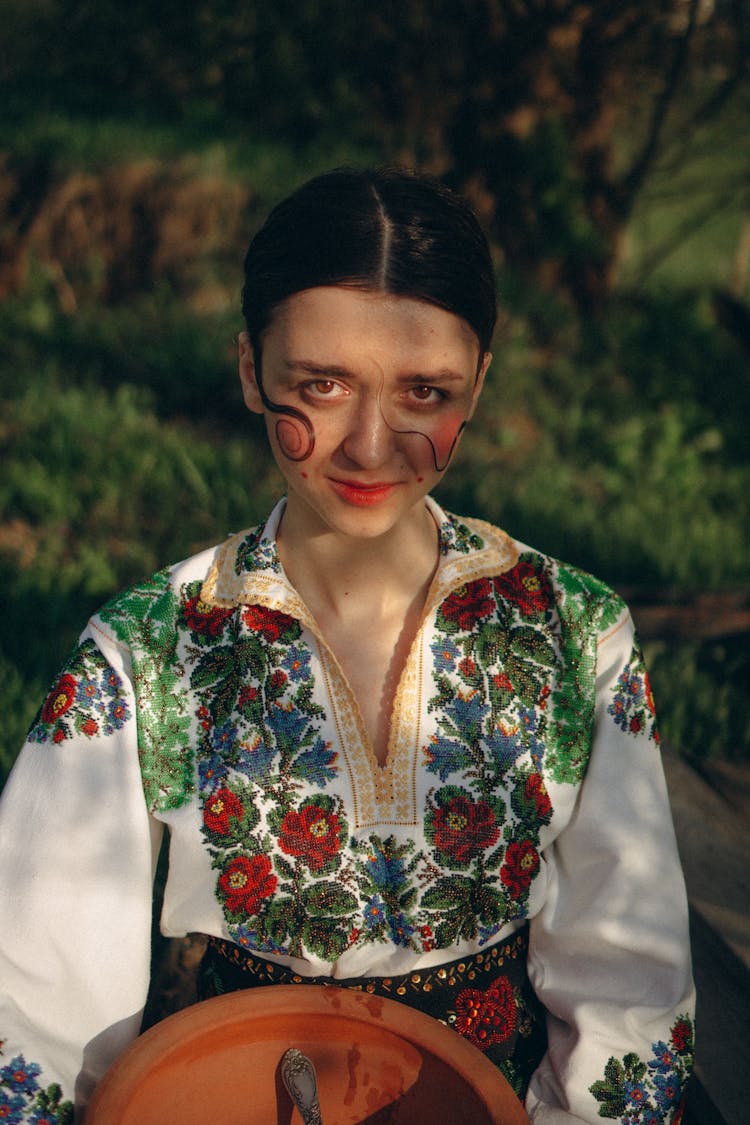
(267, 1003)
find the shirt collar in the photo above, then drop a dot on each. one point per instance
(247, 569)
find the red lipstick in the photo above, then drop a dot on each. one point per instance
(363, 495)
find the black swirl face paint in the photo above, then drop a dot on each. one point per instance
(294, 430)
(441, 430)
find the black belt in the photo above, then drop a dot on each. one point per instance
(486, 997)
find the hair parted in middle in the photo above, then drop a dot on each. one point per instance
(387, 229)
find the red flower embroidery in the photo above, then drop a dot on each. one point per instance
(270, 623)
(682, 1036)
(502, 682)
(245, 882)
(536, 791)
(201, 617)
(60, 699)
(486, 1018)
(469, 604)
(520, 867)
(527, 587)
(311, 835)
(220, 806)
(90, 727)
(463, 828)
(247, 695)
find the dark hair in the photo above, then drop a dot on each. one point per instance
(387, 229)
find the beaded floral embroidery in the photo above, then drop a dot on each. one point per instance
(632, 707)
(22, 1099)
(648, 1093)
(87, 699)
(229, 706)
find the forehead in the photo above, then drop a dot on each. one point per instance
(327, 321)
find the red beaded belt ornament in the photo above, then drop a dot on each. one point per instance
(485, 997)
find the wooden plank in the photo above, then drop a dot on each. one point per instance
(715, 852)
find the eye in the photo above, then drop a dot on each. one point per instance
(426, 395)
(323, 388)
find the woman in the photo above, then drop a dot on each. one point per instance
(392, 748)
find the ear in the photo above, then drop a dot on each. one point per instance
(479, 383)
(250, 391)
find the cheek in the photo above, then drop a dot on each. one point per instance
(295, 436)
(442, 437)
(445, 435)
(291, 438)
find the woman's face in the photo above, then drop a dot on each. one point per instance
(365, 395)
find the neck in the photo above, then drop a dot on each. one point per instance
(332, 572)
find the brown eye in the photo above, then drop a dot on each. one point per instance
(323, 388)
(426, 395)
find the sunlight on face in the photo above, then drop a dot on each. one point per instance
(419, 363)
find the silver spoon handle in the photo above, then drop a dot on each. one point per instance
(298, 1075)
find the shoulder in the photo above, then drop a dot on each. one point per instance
(152, 609)
(533, 581)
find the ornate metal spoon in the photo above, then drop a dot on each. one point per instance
(298, 1075)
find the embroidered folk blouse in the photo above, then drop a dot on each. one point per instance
(522, 784)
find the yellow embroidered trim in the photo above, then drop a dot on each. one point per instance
(224, 588)
(344, 746)
(369, 783)
(499, 554)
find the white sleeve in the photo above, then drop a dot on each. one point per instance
(609, 954)
(78, 851)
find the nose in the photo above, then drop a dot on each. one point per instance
(368, 441)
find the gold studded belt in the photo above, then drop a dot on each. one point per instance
(486, 997)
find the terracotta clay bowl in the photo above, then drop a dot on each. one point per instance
(378, 1062)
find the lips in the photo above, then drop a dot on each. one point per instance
(363, 495)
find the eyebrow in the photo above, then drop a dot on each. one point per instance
(319, 369)
(332, 370)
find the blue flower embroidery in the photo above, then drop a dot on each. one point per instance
(468, 712)
(639, 1093)
(400, 928)
(11, 1108)
(632, 707)
(211, 771)
(374, 913)
(315, 764)
(254, 759)
(23, 1100)
(505, 746)
(223, 738)
(446, 653)
(20, 1076)
(667, 1090)
(288, 724)
(445, 756)
(386, 869)
(296, 664)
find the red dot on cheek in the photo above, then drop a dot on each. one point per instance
(420, 480)
(303, 474)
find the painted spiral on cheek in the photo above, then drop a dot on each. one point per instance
(294, 430)
(295, 435)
